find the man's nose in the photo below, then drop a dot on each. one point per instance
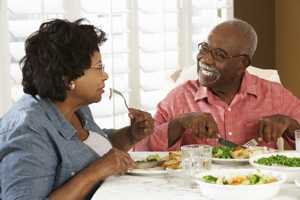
(207, 58)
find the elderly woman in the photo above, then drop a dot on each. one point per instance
(50, 145)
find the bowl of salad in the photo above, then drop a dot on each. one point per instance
(246, 184)
(287, 162)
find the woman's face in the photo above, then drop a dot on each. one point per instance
(90, 87)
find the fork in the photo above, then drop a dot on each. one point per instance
(114, 91)
(250, 143)
(253, 143)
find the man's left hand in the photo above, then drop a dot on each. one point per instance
(274, 126)
(142, 124)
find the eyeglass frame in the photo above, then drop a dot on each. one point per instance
(227, 56)
(100, 67)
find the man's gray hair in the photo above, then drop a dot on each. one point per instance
(247, 31)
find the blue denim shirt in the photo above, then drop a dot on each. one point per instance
(39, 149)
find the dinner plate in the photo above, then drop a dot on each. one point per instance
(154, 171)
(147, 172)
(297, 182)
(229, 161)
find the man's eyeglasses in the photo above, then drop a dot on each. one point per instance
(218, 54)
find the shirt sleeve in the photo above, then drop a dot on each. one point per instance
(28, 166)
(158, 141)
(290, 106)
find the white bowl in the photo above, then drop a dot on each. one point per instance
(245, 192)
(291, 172)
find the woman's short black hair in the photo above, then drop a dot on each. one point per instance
(56, 54)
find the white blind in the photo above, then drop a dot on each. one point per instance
(147, 41)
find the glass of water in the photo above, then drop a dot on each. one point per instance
(195, 158)
(297, 140)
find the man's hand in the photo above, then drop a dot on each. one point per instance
(142, 124)
(273, 127)
(202, 125)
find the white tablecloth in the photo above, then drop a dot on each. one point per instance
(164, 188)
(168, 187)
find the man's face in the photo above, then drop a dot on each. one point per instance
(219, 60)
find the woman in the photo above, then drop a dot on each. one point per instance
(50, 146)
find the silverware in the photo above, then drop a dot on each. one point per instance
(230, 144)
(227, 143)
(280, 144)
(114, 91)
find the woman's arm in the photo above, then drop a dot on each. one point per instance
(29, 169)
(80, 186)
(141, 126)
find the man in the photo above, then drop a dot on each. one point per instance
(226, 101)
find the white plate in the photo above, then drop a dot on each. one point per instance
(291, 172)
(297, 182)
(229, 161)
(147, 172)
(141, 155)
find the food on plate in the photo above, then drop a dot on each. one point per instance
(231, 153)
(250, 179)
(279, 160)
(171, 161)
(150, 161)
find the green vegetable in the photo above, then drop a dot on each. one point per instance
(280, 160)
(153, 157)
(253, 178)
(210, 179)
(222, 152)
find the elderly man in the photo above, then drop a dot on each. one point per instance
(226, 101)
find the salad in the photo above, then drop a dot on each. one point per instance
(250, 179)
(230, 153)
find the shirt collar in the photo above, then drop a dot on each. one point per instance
(248, 86)
(57, 119)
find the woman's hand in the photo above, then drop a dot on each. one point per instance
(114, 162)
(141, 126)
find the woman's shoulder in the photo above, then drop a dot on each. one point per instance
(23, 115)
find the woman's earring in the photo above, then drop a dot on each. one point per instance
(72, 85)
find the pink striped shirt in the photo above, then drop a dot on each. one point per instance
(237, 122)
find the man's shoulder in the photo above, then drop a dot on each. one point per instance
(266, 84)
(190, 86)
(269, 88)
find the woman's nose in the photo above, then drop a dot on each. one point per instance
(105, 76)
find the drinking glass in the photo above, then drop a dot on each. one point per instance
(195, 158)
(297, 140)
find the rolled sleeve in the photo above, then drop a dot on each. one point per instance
(159, 139)
(27, 168)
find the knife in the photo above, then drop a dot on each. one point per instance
(227, 143)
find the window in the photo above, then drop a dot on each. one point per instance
(147, 41)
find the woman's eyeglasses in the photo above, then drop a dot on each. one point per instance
(99, 66)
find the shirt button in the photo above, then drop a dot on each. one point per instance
(230, 133)
(229, 109)
(72, 173)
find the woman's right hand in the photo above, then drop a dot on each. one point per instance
(114, 162)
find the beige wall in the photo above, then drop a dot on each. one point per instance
(287, 18)
(277, 23)
(260, 14)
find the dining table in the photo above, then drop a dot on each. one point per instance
(171, 186)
